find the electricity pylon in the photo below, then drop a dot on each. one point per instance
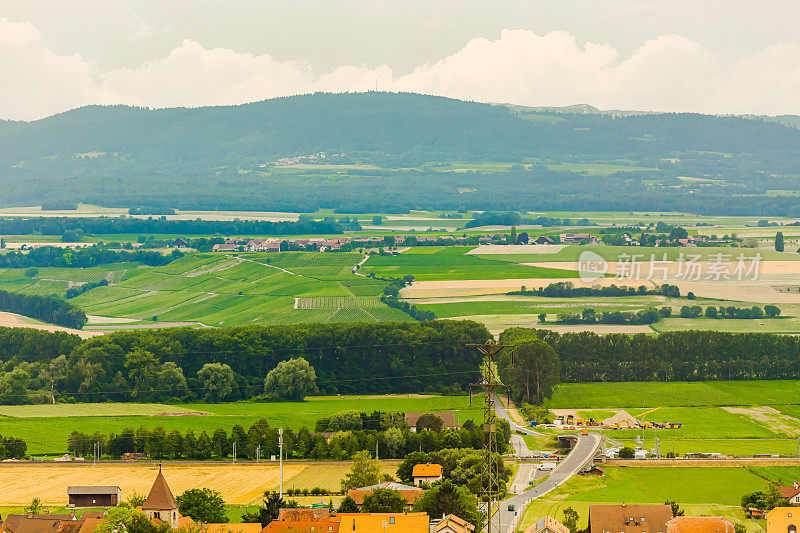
(490, 475)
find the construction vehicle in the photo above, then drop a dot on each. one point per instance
(585, 431)
(592, 422)
(673, 425)
(570, 420)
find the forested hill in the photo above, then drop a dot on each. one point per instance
(218, 157)
(401, 126)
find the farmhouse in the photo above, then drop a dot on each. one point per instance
(426, 473)
(453, 524)
(547, 524)
(700, 524)
(783, 520)
(301, 522)
(576, 238)
(449, 420)
(792, 493)
(629, 518)
(544, 239)
(224, 248)
(409, 493)
(93, 496)
(60, 523)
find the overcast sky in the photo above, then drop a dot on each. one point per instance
(712, 56)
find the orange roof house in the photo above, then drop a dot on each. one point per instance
(426, 473)
(783, 520)
(409, 493)
(374, 522)
(453, 524)
(629, 518)
(302, 526)
(791, 493)
(700, 524)
(547, 524)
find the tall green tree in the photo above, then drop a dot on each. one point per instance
(217, 380)
(571, 518)
(536, 368)
(384, 501)
(445, 497)
(291, 380)
(203, 505)
(365, 471)
(779, 242)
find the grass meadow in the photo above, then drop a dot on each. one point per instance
(46, 427)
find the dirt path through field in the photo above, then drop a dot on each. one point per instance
(217, 268)
(769, 417)
(10, 320)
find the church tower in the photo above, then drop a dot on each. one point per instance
(161, 503)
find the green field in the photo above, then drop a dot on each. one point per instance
(534, 305)
(452, 263)
(219, 289)
(47, 432)
(676, 394)
(698, 490)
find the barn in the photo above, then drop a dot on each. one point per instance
(93, 496)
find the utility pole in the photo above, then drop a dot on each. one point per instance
(258, 454)
(376, 448)
(280, 459)
(234, 452)
(490, 476)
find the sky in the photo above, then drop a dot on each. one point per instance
(708, 56)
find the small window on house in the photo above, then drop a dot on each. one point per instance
(391, 520)
(642, 519)
(157, 515)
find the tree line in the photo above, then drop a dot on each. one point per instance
(229, 364)
(567, 289)
(394, 442)
(52, 256)
(45, 308)
(12, 448)
(113, 225)
(731, 311)
(672, 356)
(650, 315)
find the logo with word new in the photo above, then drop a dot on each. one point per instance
(591, 266)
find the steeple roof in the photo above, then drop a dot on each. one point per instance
(160, 497)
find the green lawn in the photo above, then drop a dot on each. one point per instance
(676, 394)
(452, 263)
(48, 434)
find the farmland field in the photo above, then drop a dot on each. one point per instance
(712, 491)
(240, 484)
(676, 394)
(46, 427)
(453, 263)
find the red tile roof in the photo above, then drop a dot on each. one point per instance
(160, 497)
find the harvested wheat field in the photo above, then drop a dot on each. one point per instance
(239, 484)
(10, 320)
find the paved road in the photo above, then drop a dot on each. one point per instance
(586, 448)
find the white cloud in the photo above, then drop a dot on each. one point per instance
(667, 73)
(36, 81)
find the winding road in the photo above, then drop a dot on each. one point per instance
(582, 453)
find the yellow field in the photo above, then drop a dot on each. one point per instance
(239, 484)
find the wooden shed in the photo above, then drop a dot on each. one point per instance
(93, 496)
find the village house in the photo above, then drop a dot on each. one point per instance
(700, 524)
(321, 521)
(264, 245)
(544, 239)
(224, 248)
(547, 524)
(426, 473)
(93, 496)
(409, 493)
(792, 493)
(51, 522)
(783, 520)
(449, 420)
(629, 518)
(576, 238)
(453, 524)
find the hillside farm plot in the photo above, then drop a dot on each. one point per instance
(453, 263)
(221, 289)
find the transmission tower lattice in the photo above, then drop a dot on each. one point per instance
(490, 468)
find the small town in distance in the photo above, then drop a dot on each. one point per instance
(399, 267)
